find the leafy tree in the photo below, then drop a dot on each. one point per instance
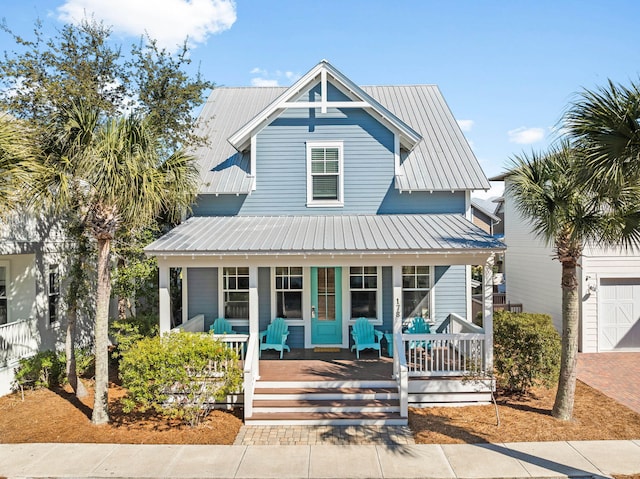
(567, 214)
(64, 88)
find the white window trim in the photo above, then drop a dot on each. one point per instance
(339, 203)
(274, 298)
(7, 269)
(347, 292)
(50, 294)
(221, 291)
(431, 290)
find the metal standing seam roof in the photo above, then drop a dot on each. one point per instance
(441, 161)
(222, 169)
(229, 235)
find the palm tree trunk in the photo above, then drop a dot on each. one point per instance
(563, 406)
(100, 404)
(72, 375)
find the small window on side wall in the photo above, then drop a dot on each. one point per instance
(54, 293)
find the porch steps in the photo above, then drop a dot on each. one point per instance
(374, 403)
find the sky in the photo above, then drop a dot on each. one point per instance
(508, 69)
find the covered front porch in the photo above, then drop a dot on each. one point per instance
(321, 275)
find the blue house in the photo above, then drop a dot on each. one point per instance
(326, 202)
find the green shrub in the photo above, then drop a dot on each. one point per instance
(526, 351)
(179, 375)
(44, 370)
(47, 369)
(85, 362)
(129, 331)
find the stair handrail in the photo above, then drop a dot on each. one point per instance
(251, 373)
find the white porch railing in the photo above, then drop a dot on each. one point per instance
(457, 348)
(237, 342)
(18, 339)
(251, 373)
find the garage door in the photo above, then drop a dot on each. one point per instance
(619, 317)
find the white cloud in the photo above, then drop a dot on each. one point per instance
(263, 82)
(170, 22)
(465, 125)
(526, 136)
(266, 78)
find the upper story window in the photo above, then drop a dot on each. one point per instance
(236, 292)
(325, 181)
(289, 292)
(416, 291)
(54, 292)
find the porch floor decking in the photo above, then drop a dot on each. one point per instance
(308, 365)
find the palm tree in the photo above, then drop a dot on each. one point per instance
(565, 214)
(112, 172)
(17, 161)
(605, 125)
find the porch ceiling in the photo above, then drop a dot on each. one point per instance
(326, 235)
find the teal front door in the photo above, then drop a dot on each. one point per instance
(326, 305)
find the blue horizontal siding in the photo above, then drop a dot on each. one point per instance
(449, 291)
(281, 176)
(202, 293)
(422, 202)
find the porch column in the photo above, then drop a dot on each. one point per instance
(487, 313)
(254, 312)
(165, 301)
(397, 299)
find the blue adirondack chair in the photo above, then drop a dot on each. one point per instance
(221, 326)
(419, 326)
(275, 336)
(365, 337)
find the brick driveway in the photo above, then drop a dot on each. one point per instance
(615, 374)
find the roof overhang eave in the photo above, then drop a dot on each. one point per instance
(388, 253)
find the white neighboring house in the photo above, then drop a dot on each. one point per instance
(609, 285)
(32, 268)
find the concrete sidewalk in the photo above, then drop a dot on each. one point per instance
(514, 460)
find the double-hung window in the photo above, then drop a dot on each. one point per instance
(416, 291)
(4, 291)
(236, 292)
(54, 292)
(325, 182)
(289, 292)
(363, 282)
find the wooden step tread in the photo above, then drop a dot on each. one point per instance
(286, 416)
(259, 390)
(292, 403)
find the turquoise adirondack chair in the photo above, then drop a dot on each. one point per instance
(221, 326)
(275, 336)
(365, 337)
(419, 326)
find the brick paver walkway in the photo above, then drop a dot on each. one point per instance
(315, 435)
(615, 374)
